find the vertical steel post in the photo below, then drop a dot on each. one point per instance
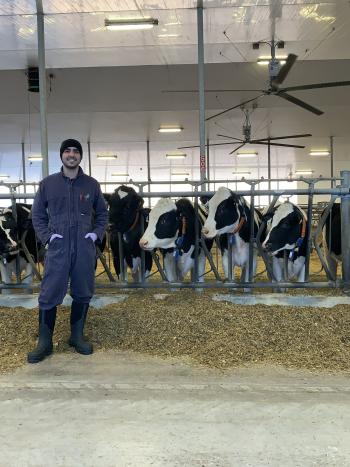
(196, 233)
(89, 157)
(269, 167)
(345, 230)
(42, 87)
(332, 159)
(208, 162)
(148, 171)
(252, 233)
(143, 253)
(24, 171)
(308, 230)
(202, 165)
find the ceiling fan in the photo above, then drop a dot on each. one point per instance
(247, 129)
(277, 75)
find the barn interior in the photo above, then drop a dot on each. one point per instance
(179, 377)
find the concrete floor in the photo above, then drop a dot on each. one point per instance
(123, 409)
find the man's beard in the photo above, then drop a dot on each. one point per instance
(69, 166)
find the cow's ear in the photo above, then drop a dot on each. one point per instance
(267, 217)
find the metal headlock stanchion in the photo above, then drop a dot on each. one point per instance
(345, 230)
(342, 191)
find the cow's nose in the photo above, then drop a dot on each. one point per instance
(143, 243)
(267, 246)
(205, 231)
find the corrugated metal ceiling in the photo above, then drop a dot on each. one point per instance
(76, 37)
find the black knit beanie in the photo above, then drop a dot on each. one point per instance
(70, 143)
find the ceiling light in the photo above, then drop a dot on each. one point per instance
(168, 35)
(319, 152)
(170, 129)
(106, 157)
(266, 60)
(172, 24)
(183, 173)
(120, 174)
(35, 158)
(3, 176)
(176, 155)
(304, 172)
(241, 174)
(123, 24)
(247, 154)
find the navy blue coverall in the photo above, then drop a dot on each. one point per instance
(71, 208)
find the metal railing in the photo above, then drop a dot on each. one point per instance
(341, 191)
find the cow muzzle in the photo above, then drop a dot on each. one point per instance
(207, 233)
(144, 244)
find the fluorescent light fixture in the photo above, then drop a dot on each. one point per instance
(35, 158)
(319, 152)
(241, 174)
(266, 60)
(181, 174)
(176, 155)
(124, 24)
(106, 157)
(168, 35)
(304, 172)
(247, 154)
(120, 174)
(4, 176)
(170, 129)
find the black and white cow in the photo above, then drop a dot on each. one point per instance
(125, 216)
(286, 232)
(10, 234)
(332, 239)
(230, 213)
(172, 229)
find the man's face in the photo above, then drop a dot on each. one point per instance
(71, 158)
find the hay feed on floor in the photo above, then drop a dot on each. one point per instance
(190, 324)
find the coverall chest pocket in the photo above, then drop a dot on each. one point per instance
(85, 204)
(57, 205)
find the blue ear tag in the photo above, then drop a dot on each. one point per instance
(291, 255)
(299, 241)
(179, 241)
(232, 239)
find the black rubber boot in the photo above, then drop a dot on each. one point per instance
(77, 322)
(47, 319)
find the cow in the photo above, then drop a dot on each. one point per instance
(286, 233)
(172, 229)
(332, 239)
(126, 214)
(230, 213)
(11, 231)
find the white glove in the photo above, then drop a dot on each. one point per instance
(55, 236)
(91, 235)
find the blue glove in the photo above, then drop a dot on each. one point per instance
(55, 236)
(91, 235)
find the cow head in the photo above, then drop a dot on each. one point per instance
(163, 226)
(284, 227)
(8, 233)
(124, 207)
(224, 213)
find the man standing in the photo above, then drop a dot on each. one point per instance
(69, 214)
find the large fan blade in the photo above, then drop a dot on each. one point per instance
(213, 90)
(231, 137)
(280, 137)
(276, 144)
(299, 102)
(285, 69)
(332, 84)
(213, 144)
(234, 107)
(238, 147)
